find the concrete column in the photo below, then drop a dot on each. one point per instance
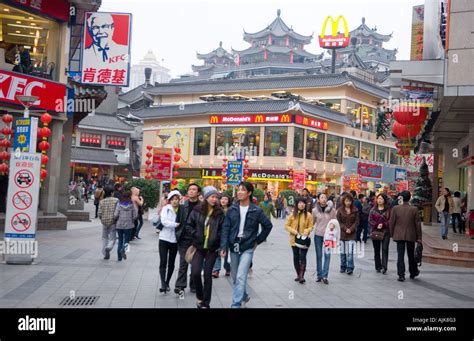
(63, 190)
(437, 155)
(450, 168)
(470, 171)
(49, 196)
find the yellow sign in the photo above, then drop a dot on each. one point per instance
(259, 119)
(214, 120)
(285, 119)
(334, 40)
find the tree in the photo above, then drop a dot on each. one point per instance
(423, 190)
(149, 190)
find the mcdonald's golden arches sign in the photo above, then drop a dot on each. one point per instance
(250, 119)
(335, 39)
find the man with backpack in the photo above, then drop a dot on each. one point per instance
(106, 215)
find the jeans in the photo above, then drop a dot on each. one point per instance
(381, 264)
(347, 255)
(318, 245)
(109, 235)
(218, 264)
(182, 280)
(240, 265)
(123, 239)
(327, 260)
(444, 218)
(283, 213)
(204, 259)
(168, 253)
(96, 210)
(412, 267)
(278, 211)
(454, 217)
(138, 224)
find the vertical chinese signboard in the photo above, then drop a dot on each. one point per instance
(234, 172)
(106, 48)
(299, 179)
(26, 130)
(352, 182)
(162, 163)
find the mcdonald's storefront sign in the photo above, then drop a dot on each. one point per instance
(310, 122)
(335, 39)
(250, 119)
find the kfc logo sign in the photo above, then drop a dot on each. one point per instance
(14, 84)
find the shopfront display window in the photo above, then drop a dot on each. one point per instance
(334, 149)
(367, 151)
(351, 148)
(395, 159)
(90, 140)
(275, 141)
(25, 42)
(298, 146)
(361, 116)
(202, 141)
(245, 140)
(314, 145)
(382, 154)
(333, 104)
(116, 142)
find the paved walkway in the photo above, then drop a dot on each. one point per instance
(70, 261)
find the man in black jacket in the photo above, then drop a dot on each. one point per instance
(184, 242)
(240, 234)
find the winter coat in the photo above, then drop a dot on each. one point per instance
(169, 222)
(442, 201)
(405, 223)
(321, 219)
(348, 221)
(305, 226)
(376, 218)
(332, 237)
(195, 229)
(125, 215)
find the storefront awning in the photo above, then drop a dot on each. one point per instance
(93, 156)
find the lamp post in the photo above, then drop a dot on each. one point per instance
(27, 102)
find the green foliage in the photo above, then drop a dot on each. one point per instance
(423, 190)
(290, 196)
(258, 193)
(149, 190)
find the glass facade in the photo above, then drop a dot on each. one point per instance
(367, 151)
(202, 141)
(315, 145)
(334, 149)
(275, 141)
(298, 146)
(382, 154)
(247, 139)
(351, 148)
(361, 116)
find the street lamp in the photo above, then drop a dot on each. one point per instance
(27, 102)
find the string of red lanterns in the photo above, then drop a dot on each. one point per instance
(246, 169)
(224, 171)
(290, 175)
(177, 157)
(408, 124)
(44, 133)
(148, 162)
(5, 143)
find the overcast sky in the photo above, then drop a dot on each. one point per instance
(176, 30)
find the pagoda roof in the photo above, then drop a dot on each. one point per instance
(204, 67)
(277, 49)
(277, 28)
(219, 52)
(365, 31)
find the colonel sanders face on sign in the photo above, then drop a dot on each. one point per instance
(101, 29)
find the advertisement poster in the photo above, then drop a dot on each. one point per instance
(175, 138)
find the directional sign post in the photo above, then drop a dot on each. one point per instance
(22, 203)
(234, 172)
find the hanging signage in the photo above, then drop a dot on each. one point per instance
(400, 174)
(299, 179)
(162, 163)
(401, 186)
(25, 134)
(106, 49)
(368, 170)
(23, 195)
(12, 84)
(334, 40)
(57, 9)
(234, 172)
(352, 182)
(250, 119)
(311, 122)
(258, 175)
(423, 96)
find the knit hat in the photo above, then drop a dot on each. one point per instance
(173, 193)
(208, 191)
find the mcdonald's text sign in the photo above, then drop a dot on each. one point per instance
(335, 39)
(311, 122)
(250, 119)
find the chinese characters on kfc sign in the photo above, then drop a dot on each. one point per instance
(50, 94)
(106, 48)
(249, 119)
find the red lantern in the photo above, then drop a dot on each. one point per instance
(177, 158)
(174, 182)
(44, 159)
(149, 170)
(246, 160)
(3, 168)
(246, 171)
(175, 174)
(44, 174)
(7, 131)
(62, 138)
(7, 119)
(148, 162)
(177, 150)
(148, 177)
(224, 176)
(149, 147)
(46, 118)
(5, 143)
(245, 177)
(149, 155)
(403, 132)
(44, 132)
(176, 166)
(416, 117)
(225, 160)
(246, 166)
(4, 156)
(43, 146)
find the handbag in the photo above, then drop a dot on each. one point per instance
(377, 235)
(418, 253)
(303, 242)
(190, 254)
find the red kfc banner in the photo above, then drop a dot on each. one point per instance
(57, 9)
(106, 48)
(51, 94)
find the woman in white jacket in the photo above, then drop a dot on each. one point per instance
(331, 242)
(168, 247)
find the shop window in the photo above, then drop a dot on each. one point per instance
(275, 141)
(353, 113)
(351, 148)
(393, 157)
(202, 141)
(315, 145)
(25, 42)
(334, 104)
(367, 151)
(382, 154)
(368, 119)
(334, 149)
(298, 146)
(246, 140)
(116, 142)
(91, 140)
